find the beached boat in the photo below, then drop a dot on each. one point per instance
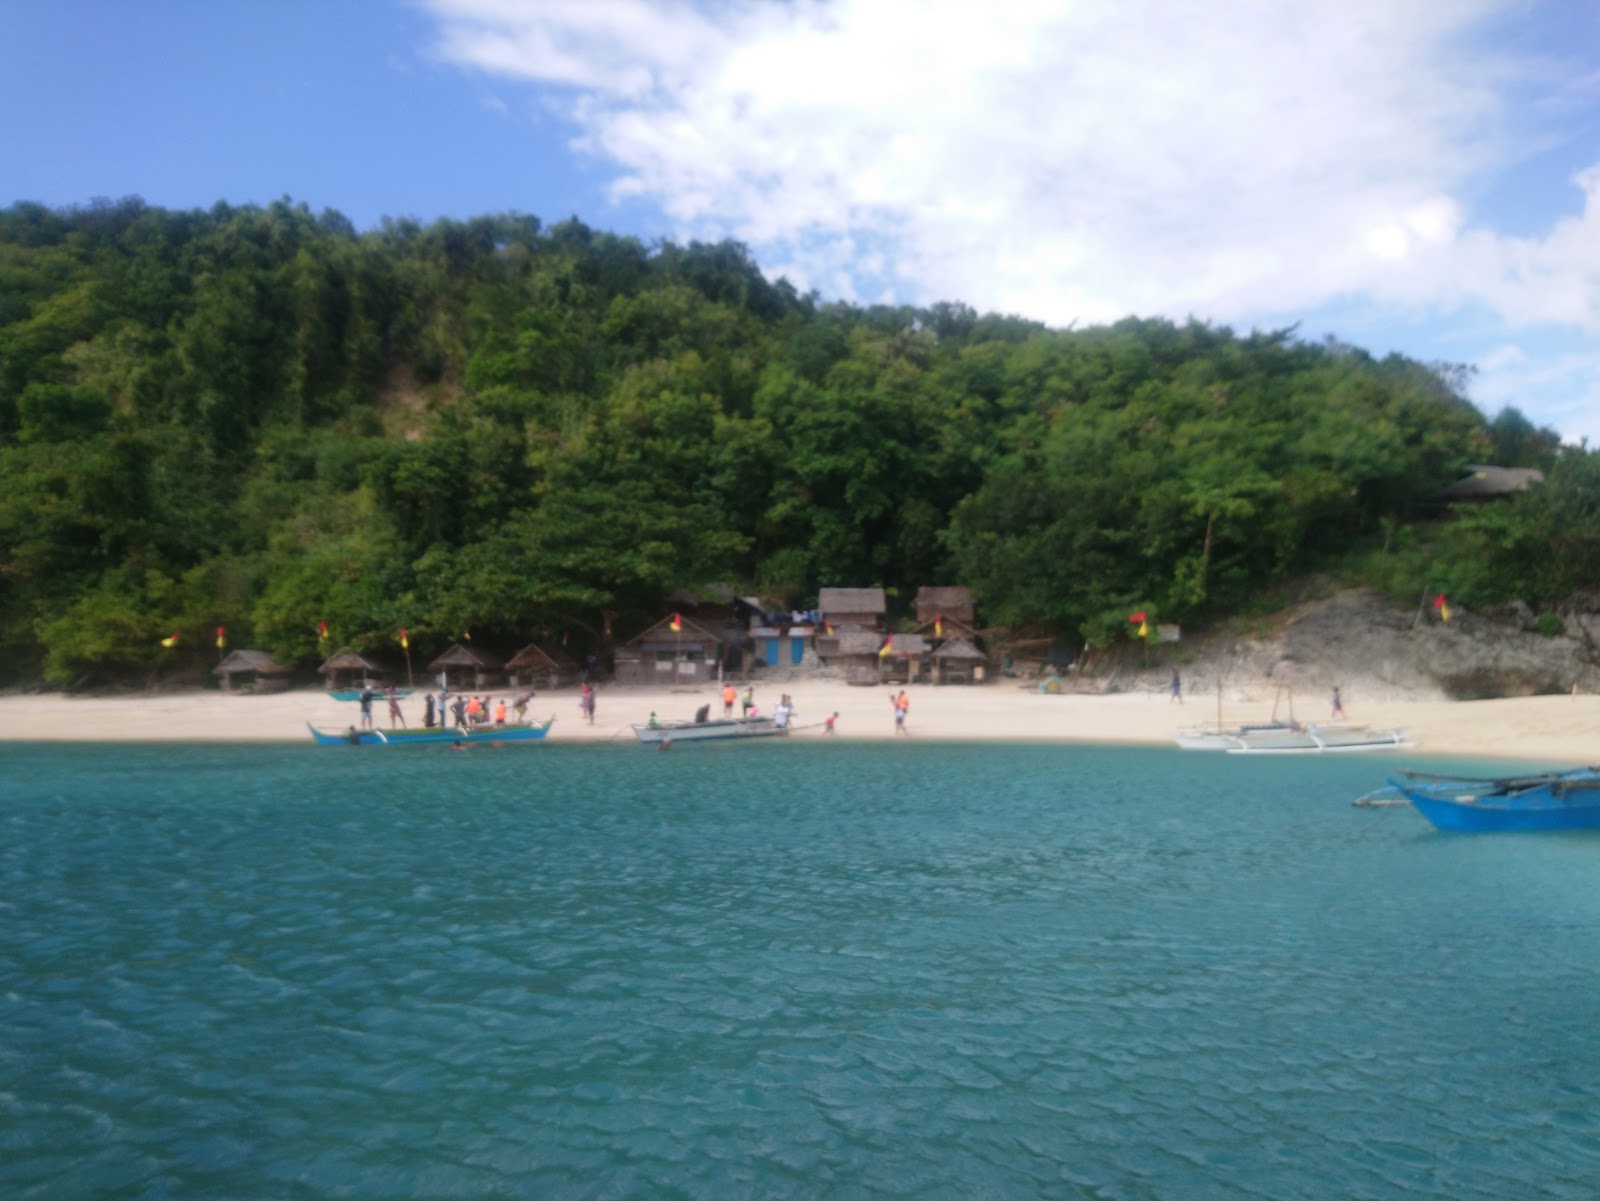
(1225, 738)
(1317, 739)
(354, 694)
(1568, 800)
(434, 736)
(722, 728)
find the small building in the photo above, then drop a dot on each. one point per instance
(856, 654)
(900, 659)
(663, 655)
(785, 645)
(467, 667)
(535, 667)
(346, 669)
(942, 627)
(952, 603)
(958, 662)
(845, 607)
(251, 671)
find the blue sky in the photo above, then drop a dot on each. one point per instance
(1420, 177)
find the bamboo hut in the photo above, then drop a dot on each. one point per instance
(346, 669)
(535, 667)
(856, 654)
(903, 662)
(845, 607)
(466, 667)
(663, 655)
(957, 661)
(251, 671)
(952, 603)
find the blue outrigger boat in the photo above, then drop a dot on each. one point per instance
(354, 694)
(1568, 800)
(432, 736)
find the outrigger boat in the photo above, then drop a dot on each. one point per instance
(1286, 736)
(521, 732)
(707, 731)
(1568, 800)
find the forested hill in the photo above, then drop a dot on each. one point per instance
(259, 419)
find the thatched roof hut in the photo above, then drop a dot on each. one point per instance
(467, 667)
(952, 603)
(660, 654)
(958, 660)
(863, 607)
(538, 667)
(251, 671)
(855, 651)
(903, 660)
(345, 668)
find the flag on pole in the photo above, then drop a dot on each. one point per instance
(1139, 617)
(887, 647)
(170, 641)
(222, 637)
(404, 643)
(1443, 606)
(938, 626)
(828, 625)
(677, 622)
(467, 634)
(322, 631)
(1144, 629)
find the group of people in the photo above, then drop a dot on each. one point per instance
(472, 710)
(368, 692)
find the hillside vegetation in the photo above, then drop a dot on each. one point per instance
(259, 419)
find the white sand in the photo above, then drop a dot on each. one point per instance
(1555, 730)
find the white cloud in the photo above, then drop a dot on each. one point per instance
(1064, 160)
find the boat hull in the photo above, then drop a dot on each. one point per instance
(432, 737)
(1318, 740)
(723, 730)
(1567, 802)
(354, 694)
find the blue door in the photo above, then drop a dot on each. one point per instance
(772, 651)
(797, 649)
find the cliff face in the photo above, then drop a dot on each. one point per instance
(1365, 645)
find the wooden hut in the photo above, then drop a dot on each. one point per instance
(952, 603)
(535, 667)
(845, 607)
(663, 655)
(467, 668)
(346, 669)
(251, 671)
(856, 654)
(904, 661)
(941, 628)
(957, 661)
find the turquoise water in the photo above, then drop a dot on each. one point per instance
(796, 970)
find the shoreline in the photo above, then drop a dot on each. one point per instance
(1559, 730)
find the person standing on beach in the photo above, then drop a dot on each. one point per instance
(394, 707)
(902, 705)
(1176, 688)
(728, 695)
(427, 712)
(1338, 705)
(586, 703)
(366, 705)
(459, 708)
(749, 701)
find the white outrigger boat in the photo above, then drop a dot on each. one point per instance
(720, 729)
(1285, 736)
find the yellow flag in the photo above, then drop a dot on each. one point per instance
(887, 646)
(938, 626)
(1144, 629)
(404, 643)
(1444, 611)
(170, 642)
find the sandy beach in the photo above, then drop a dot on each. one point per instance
(1557, 730)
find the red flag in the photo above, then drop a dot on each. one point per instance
(1443, 606)
(222, 637)
(1139, 616)
(677, 621)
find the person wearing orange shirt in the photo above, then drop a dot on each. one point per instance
(729, 695)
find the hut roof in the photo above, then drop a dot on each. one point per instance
(959, 648)
(534, 656)
(249, 661)
(955, 602)
(465, 656)
(954, 627)
(857, 642)
(851, 600)
(1487, 480)
(663, 631)
(908, 644)
(345, 659)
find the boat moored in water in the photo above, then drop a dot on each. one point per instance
(432, 735)
(1566, 800)
(1291, 738)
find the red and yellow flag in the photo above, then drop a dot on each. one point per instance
(222, 637)
(322, 631)
(405, 643)
(887, 647)
(1139, 616)
(1443, 606)
(677, 622)
(170, 641)
(938, 626)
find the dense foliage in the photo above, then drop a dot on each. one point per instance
(259, 419)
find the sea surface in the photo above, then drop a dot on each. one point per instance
(785, 970)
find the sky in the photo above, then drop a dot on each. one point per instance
(1420, 177)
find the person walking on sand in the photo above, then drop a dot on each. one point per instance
(586, 703)
(1175, 689)
(728, 695)
(827, 722)
(902, 705)
(1338, 705)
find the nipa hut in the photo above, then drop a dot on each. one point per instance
(952, 603)
(856, 654)
(845, 607)
(466, 667)
(662, 655)
(251, 671)
(900, 658)
(535, 667)
(957, 661)
(346, 669)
